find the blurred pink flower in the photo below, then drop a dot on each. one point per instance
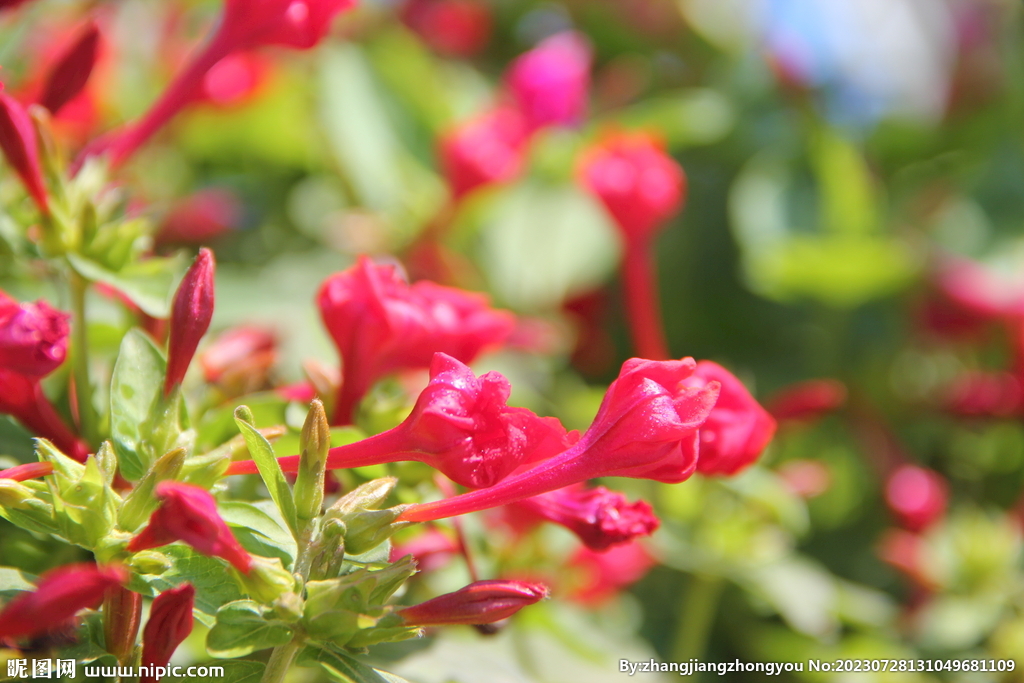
(550, 83)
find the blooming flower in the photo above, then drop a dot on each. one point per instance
(917, 496)
(381, 324)
(170, 622)
(18, 141)
(481, 602)
(607, 573)
(738, 428)
(59, 595)
(600, 517)
(33, 337)
(645, 428)
(460, 425)
(483, 151)
(188, 513)
(71, 72)
(191, 313)
(549, 83)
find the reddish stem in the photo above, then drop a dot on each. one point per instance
(639, 278)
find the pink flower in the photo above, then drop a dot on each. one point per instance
(22, 398)
(607, 573)
(807, 401)
(170, 622)
(549, 83)
(484, 151)
(60, 594)
(600, 517)
(71, 72)
(18, 141)
(381, 324)
(236, 79)
(191, 314)
(645, 428)
(33, 337)
(29, 470)
(738, 428)
(805, 478)
(188, 513)
(982, 291)
(460, 425)
(917, 496)
(980, 393)
(203, 216)
(456, 28)
(481, 602)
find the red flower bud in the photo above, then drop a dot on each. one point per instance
(600, 517)
(22, 398)
(18, 141)
(738, 428)
(639, 184)
(203, 216)
(190, 317)
(645, 428)
(456, 28)
(29, 470)
(460, 425)
(381, 324)
(807, 401)
(607, 573)
(170, 622)
(188, 513)
(484, 151)
(33, 337)
(481, 602)
(917, 496)
(59, 595)
(71, 72)
(549, 83)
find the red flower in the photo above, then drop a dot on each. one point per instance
(645, 428)
(460, 425)
(240, 359)
(481, 602)
(188, 513)
(18, 141)
(807, 401)
(738, 428)
(71, 72)
(236, 79)
(984, 393)
(381, 324)
(607, 573)
(59, 595)
(29, 470)
(200, 217)
(22, 398)
(456, 28)
(549, 83)
(33, 337)
(190, 317)
(170, 622)
(917, 496)
(483, 151)
(600, 517)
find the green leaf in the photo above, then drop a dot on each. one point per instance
(218, 425)
(213, 582)
(242, 627)
(258, 532)
(695, 116)
(14, 580)
(343, 668)
(235, 671)
(149, 283)
(263, 455)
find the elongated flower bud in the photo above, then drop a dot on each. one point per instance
(59, 595)
(314, 442)
(72, 70)
(191, 314)
(481, 602)
(33, 337)
(121, 620)
(29, 470)
(170, 622)
(188, 513)
(484, 151)
(18, 141)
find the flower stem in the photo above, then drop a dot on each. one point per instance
(642, 308)
(80, 354)
(697, 616)
(280, 661)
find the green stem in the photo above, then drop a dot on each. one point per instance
(80, 354)
(281, 660)
(700, 604)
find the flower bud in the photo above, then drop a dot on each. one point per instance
(481, 602)
(266, 579)
(917, 496)
(33, 337)
(29, 470)
(13, 494)
(140, 502)
(314, 443)
(484, 151)
(200, 217)
(188, 513)
(190, 317)
(550, 82)
(59, 595)
(239, 360)
(170, 622)
(122, 616)
(71, 72)
(18, 141)
(807, 401)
